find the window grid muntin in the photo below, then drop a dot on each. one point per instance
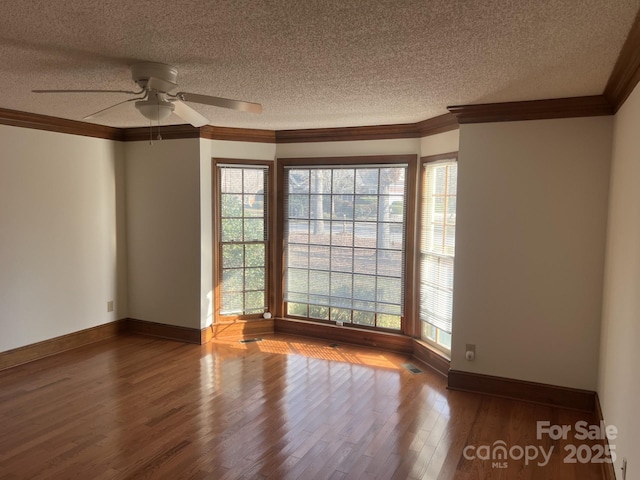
(299, 303)
(237, 302)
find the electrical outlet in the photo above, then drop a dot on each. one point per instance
(339, 323)
(110, 306)
(470, 352)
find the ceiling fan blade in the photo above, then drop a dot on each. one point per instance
(161, 85)
(100, 112)
(187, 113)
(88, 91)
(220, 102)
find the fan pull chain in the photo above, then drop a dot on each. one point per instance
(158, 107)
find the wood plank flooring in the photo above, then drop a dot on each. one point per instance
(284, 408)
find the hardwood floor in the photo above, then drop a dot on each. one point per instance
(284, 408)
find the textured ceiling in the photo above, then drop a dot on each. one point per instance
(322, 63)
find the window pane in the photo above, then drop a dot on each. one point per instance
(253, 205)
(299, 181)
(343, 181)
(389, 321)
(254, 255)
(253, 229)
(390, 263)
(254, 302)
(341, 315)
(298, 231)
(298, 280)
(341, 287)
(319, 257)
(253, 180)
(231, 206)
(319, 312)
(231, 180)
(319, 282)
(231, 304)
(364, 261)
(437, 247)
(428, 331)
(231, 229)
(232, 256)
(364, 318)
(365, 207)
(444, 339)
(320, 181)
(297, 309)
(347, 232)
(242, 237)
(298, 206)
(341, 259)
(365, 235)
(232, 280)
(367, 181)
(254, 279)
(364, 287)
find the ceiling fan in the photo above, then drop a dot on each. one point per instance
(157, 81)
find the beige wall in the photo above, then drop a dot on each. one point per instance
(163, 231)
(218, 149)
(431, 145)
(441, 143)
(619, 380)
(530, 239)
(169, 226)
(399, 146)
(60, 260)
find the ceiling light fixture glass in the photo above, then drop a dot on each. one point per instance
(155, 109)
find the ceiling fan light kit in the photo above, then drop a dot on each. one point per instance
(157, 81)
(155, 109)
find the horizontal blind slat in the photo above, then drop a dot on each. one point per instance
(345, 227)
(437, 244)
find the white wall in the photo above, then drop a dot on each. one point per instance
(59, 255)
(619, 380)
(532, 208)
(163, 231)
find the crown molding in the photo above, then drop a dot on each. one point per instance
(626, 72)
(175, 132)
(167, 132)
(342, 134)
(440, 124)
(36, 121)
(533, 110)
(459, 114)
(238, 134)
(431, 126)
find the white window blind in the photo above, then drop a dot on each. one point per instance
(344, 243)
(437, 243)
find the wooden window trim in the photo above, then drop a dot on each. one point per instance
(408, 323)
(420, 191)
(270, 244)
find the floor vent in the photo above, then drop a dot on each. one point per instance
(250, 340)
(412, 368)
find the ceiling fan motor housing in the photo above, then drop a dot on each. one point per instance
(141, 72)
